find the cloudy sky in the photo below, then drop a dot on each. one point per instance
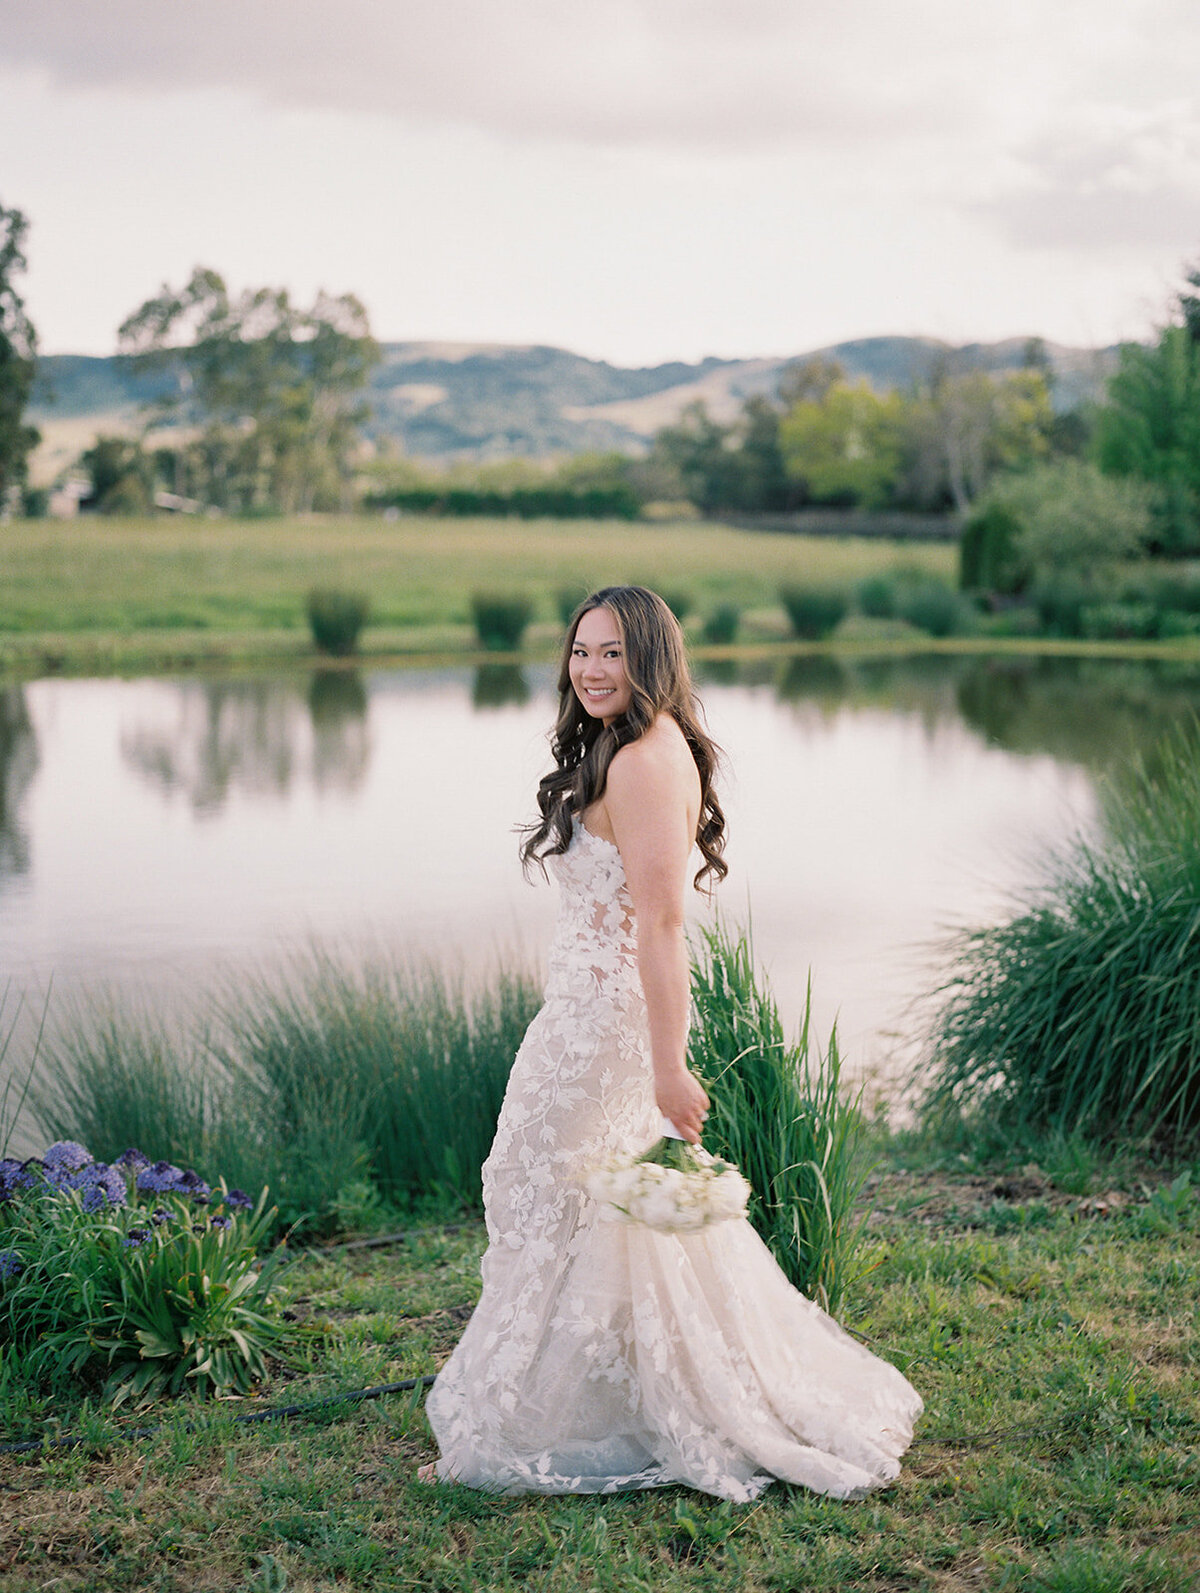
(636, 179)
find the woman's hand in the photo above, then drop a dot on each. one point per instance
(681, 1097)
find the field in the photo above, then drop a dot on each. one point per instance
(1052, 1331)
(96, 593)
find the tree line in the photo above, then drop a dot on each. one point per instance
(263, 407)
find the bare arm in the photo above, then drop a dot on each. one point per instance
(649, 800)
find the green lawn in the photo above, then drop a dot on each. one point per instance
(106, 582)
(1054, 1335)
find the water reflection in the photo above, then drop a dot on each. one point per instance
(208, 739)
(499, 686)
(18, 765)
(337, 705)
(1098, 713)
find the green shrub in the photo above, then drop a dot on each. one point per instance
(990, 555)
(1173, 625)
(135, 1270)
(721, 625)
(567, 599)
(679, 602)
(1178, 592)
(500, 619)
(1060, 602)
(813, 611)
(1075, 520)
(336, 619)
(1079, 1015)
(876, 597)
(1119, 621)
(931, 606)
(778, 1112)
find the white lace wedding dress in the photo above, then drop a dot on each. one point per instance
(603, 1355)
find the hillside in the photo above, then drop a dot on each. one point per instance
(462, 401)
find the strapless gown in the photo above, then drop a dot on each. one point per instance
(605, 1356)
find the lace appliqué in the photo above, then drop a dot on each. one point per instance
(604, 1356)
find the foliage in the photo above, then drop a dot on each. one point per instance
(567, 599)
(122, 476)
(500, 619)
(778, 1113)
(1079, 1014)
(720, 626)
(1075, 521)
(735, 466)
(967, 426)
(844, 447)
(275, 390)
(990, 556)
(1149, 430)
(931, 606)
(309, 1079)
(813, 611)
(136, 1269)
(336, 618)
(18, 358)
(680, 602)
(393, 1059)
(876, 597)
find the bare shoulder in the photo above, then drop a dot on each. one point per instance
(656, 772)
(661, 753)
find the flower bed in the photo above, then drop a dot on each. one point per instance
(134, 1270)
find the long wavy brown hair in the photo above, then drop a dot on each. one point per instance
(584, 747)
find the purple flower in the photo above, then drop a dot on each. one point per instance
(101, 1185)
(191, 1183)
(10, 1264)
(221, 1222)
(161, 1178)
(66, 1156)
(160, 1216)
(132, 1159)
(238, 1200)
(9, 1169)
(135, 1237)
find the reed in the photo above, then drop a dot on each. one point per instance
(779, 1112)
(1080, 1016)
(308, 1079)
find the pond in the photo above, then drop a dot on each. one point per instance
(160, 834)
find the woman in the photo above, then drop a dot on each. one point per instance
(603, 1355)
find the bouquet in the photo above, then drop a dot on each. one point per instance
(674, 1187)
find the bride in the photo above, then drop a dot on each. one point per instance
(606, 1355)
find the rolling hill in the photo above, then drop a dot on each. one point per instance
(442, 402)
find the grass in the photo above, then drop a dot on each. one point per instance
(311, 1078)
(779, 1114)
(1081, 1014)
(102, 584)
(1058, 1352)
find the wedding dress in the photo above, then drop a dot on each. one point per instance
(604, 1355)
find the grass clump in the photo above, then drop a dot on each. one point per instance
(500, 619)
(813, 611)
(778, 1112)
(334, 1086)
(1081, 1014)
(336, 619)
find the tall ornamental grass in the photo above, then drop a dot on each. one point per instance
(779, 1112)
(1081, 1014)
(311, 1079)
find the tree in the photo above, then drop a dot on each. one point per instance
(1150, 427)
(122, 476)
(706, 456)
(18, 359)
(274, 389)
(964, 428)
(844, 445)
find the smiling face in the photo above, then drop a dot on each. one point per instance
(597, 666)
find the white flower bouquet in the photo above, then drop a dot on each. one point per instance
(674, 1187)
